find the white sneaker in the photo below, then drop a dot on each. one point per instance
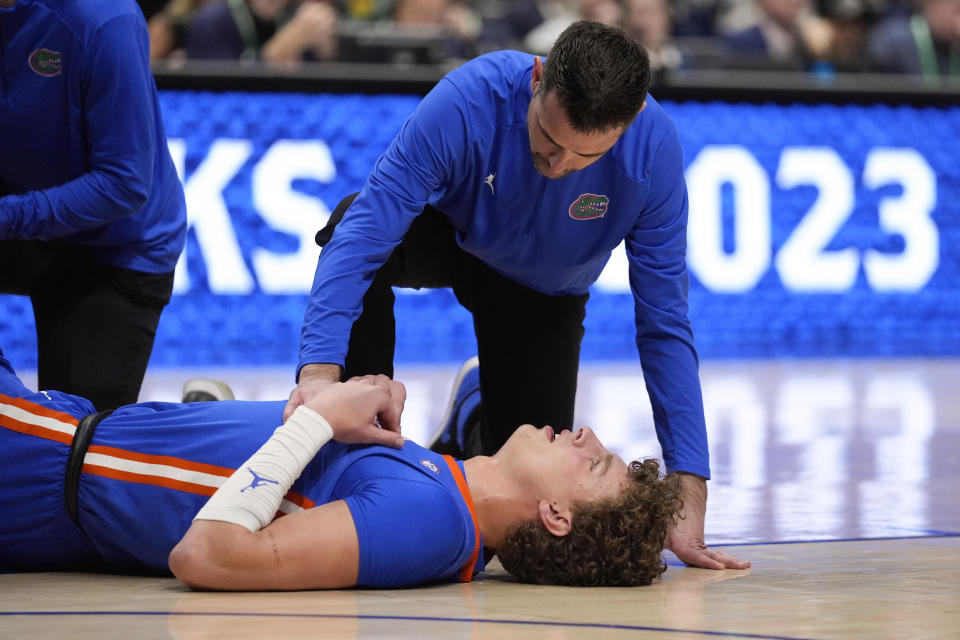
(451, 436)
(205, 390)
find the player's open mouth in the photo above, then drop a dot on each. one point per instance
(551, 435)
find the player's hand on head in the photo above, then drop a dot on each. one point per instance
(362, 410)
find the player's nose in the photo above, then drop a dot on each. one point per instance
(587, 438)
(559, 160)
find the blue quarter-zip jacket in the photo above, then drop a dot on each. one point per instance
(83, 154)
(466, 151)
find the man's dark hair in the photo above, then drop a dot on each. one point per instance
(600, 76)
(612, 543)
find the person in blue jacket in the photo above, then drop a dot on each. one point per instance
(130, 491)
(92, 213)
(512, 183)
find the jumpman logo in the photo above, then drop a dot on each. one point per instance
(489, 182)
(257, 481)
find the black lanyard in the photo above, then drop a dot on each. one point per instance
(927, 53)
(245, 25)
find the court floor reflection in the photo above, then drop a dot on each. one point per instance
(800, 449)
(810, 450)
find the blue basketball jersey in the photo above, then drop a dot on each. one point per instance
(151, 466)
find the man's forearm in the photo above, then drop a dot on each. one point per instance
(272, 470)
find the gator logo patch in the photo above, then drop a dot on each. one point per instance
(589, 206)
(46, 63)
(430, 465)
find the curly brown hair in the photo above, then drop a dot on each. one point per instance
(611, 543)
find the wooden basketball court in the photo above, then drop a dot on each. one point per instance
(839, 480)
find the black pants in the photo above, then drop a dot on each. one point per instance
(95, 322)
(528, 342)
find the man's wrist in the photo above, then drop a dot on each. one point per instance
(693, 482)
(693, 492)
(319, 371)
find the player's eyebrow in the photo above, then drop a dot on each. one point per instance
(606, 463)
(557, 144)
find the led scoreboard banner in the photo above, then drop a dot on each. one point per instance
(815, 229)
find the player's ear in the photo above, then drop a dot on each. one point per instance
(536, 74)
(556, 518)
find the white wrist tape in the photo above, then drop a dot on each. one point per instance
(251, 496)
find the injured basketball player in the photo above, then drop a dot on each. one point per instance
(222, 497)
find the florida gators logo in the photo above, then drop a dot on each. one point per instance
(430, 465)
(46, 63)
(589, 206)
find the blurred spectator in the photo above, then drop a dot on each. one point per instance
(273, 30)
(784, 34)
(168, 27)
(506, 24)
(695, 18)
(649, 22)
(366, 9)
(560, 15)
(926, 42)
(457, 19)
(735, 15)
(850, 22)
(151, 8)
(411, 31)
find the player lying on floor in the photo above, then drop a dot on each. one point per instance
(133, 491)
